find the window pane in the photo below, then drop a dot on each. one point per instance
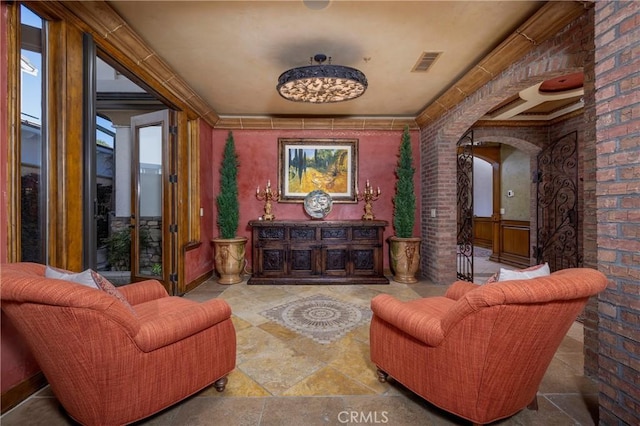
(32, 211)
(105, 141)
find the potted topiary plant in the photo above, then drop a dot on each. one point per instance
(404, 248)
(229, 248)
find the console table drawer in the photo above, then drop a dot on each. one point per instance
(336, 234)
(366, 233)
(275, 233)
(302, 234)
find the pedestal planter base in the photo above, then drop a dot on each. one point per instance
(404, 258)
(229, 259)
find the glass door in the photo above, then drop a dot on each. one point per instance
(153, 226)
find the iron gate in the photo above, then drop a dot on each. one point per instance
(557, 204)
(464, 171)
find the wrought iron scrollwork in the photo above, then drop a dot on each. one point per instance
(557, 202)
(464, 261)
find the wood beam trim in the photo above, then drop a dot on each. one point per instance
(194, 204)
(550, 19)
(299, 123)
(114, 36)
(66, 145)
(528, 123)
(13, 125)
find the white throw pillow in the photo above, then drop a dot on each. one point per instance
(90, 279)
(83, 277)
(525, 274)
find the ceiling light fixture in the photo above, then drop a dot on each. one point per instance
(322, 83)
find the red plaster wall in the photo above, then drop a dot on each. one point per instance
(17, 361)
(258, 156)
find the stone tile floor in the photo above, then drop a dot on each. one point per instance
(283, 378)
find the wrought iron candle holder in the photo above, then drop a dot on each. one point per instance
(268, 197)
(368, 196)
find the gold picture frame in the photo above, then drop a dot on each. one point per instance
(330, 165)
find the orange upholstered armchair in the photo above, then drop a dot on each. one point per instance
(109, 363)
(480, 351)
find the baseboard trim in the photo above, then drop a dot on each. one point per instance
(195, 283)
(22, 391)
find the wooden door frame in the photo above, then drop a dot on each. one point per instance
(492, 156)
(64, 136)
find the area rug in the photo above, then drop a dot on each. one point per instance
(321, 318)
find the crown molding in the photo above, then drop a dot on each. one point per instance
(544, 24)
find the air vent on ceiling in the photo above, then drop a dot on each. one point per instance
(425, 61)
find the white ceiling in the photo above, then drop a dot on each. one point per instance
(232, 52)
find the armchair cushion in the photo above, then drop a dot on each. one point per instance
(420, 318)
(143, 291)
(167, 320)
(459, 289)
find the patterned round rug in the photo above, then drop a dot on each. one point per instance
(321, 318)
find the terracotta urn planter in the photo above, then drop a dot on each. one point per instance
(229, 259)
(404, 258)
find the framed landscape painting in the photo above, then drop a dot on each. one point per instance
(330, 165)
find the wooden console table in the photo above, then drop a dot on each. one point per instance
(317, 252)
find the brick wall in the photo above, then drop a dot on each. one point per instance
(617, 105)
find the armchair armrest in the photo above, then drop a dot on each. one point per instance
(169, 328)
(419, 323)
(459, 289)
(143, 291)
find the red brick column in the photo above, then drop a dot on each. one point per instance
(617, 79)
(588, 217)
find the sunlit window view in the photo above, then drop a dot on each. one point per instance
(33, 188)
(105, 170)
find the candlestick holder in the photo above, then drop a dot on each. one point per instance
(268, 197)
(368, 196)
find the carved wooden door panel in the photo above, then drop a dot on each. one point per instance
(335, 260)
(271, 251)
(303, 251)
(363, 260)
(366, 248)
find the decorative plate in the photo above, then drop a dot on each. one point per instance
(318, 204)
